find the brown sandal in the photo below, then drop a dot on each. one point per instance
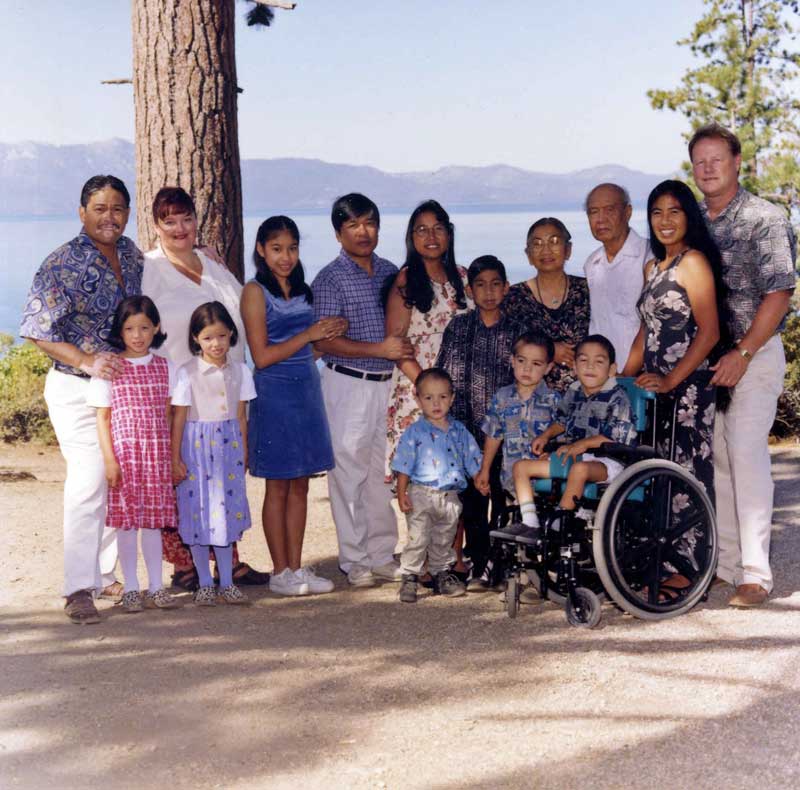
(80, 608)
(113, 591)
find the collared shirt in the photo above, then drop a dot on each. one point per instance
(607, 413)
(343, 288)
(614, 289)
(518, 422)
(75, 294)
(176, 298)
(759, 250)
(213, 393)
(440, 459)
(478, 359)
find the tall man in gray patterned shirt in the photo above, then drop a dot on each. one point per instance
(758, 265)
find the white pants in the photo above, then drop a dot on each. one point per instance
(90, 548)
(742, 469)
(366, 526)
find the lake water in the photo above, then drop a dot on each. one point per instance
(25, 243)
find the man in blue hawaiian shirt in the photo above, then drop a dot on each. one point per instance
(68, 314)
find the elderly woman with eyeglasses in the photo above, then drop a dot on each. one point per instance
(552, 302)
(427, 292)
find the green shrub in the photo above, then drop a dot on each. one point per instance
(23, 413)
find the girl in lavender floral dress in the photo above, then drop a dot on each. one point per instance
(209, 450)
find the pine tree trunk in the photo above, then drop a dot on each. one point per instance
(184, 87)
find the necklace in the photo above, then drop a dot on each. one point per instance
(554, 301)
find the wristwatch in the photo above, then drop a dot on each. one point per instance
(745, 353)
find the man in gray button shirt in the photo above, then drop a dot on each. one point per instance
(758, 250)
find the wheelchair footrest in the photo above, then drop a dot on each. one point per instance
(518, 533)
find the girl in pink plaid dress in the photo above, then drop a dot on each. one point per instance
(133, 428)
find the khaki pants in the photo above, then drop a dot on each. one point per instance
(742, 471)
(361, 502)
(432, 527)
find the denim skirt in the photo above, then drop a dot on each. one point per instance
(288, 434)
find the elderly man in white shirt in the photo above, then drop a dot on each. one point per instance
(615, 271)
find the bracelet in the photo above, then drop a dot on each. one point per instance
(745, 353)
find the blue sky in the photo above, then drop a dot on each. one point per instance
(399, 85)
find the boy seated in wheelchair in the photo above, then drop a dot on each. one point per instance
(594, 410)
(520, 412)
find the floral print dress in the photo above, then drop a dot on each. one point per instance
(687, 411)
(567, 323)
(425, 333)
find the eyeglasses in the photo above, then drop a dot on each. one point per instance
(554, 242)
(424, 230)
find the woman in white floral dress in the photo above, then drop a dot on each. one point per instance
(428, 291)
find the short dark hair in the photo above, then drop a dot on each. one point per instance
(205, 315)
(557, 223)
(715, 131)
(600, 340)
(96, 183)
(135, 305)
(622, 193)
(352, 206)
(172, 200)
(486, 263)
(435, 374)
(536, 339)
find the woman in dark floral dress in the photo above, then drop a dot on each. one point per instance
(680, 329)
(552, 303)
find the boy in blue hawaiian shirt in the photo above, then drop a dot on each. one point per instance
(594, 410)
(520, 412)
(435, 458)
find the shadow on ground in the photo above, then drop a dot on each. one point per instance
(357, 690)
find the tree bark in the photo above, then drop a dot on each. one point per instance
(187, 133)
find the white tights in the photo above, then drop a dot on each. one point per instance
(128, 557)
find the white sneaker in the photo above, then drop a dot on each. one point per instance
(316, 584)
(360, 576)
(286, 583)
(389, 572)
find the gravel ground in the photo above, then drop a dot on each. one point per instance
(354, 690)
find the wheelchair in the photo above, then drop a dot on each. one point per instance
(624, 538)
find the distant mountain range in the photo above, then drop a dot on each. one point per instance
(37, 179)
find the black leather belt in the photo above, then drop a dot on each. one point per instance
(358, 374)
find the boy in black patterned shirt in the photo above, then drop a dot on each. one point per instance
(476, 352)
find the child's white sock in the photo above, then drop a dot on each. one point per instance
(151, 551)
(528, 513)
(127, 550)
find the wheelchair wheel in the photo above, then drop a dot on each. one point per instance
(586, 613)
(512, 596)
(653, 521)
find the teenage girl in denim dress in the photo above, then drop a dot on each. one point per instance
(288, 431)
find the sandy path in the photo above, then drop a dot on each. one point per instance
(355, 690)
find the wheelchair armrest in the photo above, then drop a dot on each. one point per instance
(625, 453)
